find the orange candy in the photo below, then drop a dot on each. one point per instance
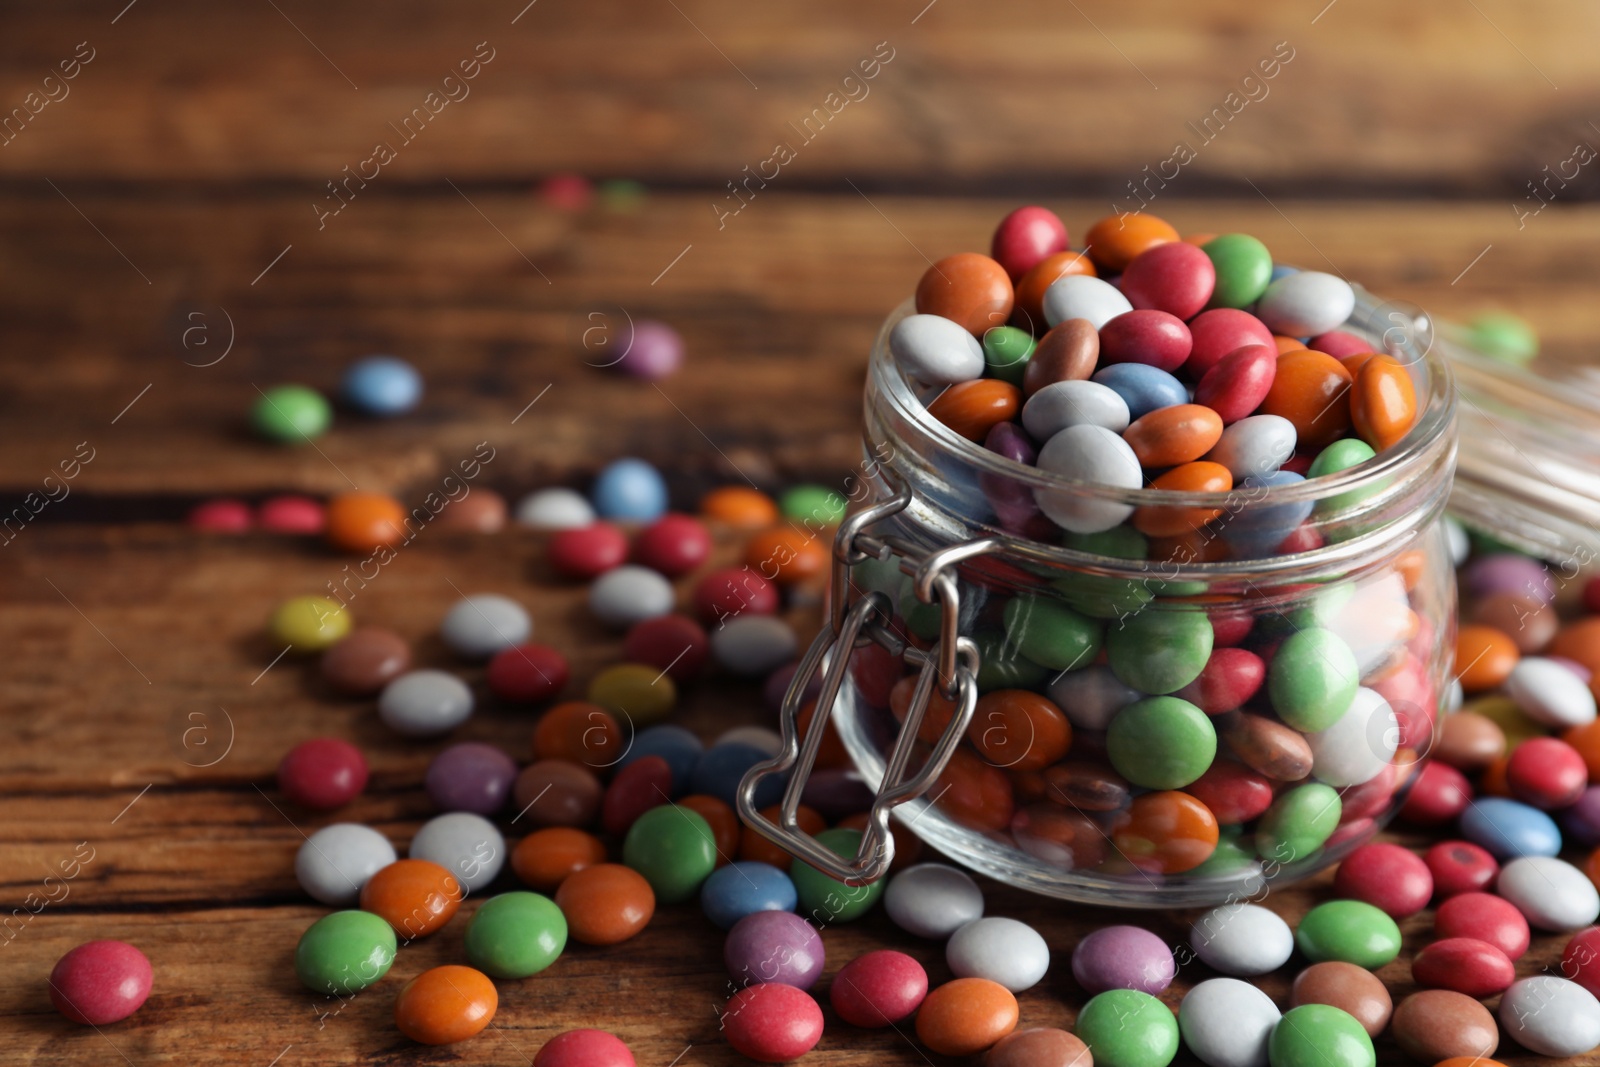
(1287, 344)
(832, 753)
(1383, 402)
(1166, 832)
(445, 1004)
(545, 858)
(416, 897)
(972, 408)
(1586, 739)
(1309, 390)
(606, 904)
(941, 709)
(578, 732)
(1029, 310)
(1201, 476)
(1469, 1061)
(1178, 434)
(967, 288)
(364, 522)
(1580, 642)
(725, 824)
(1493, 781)
(1199, 240)
(752, 846)
(1484, 657)
(741, 507)
(786, 555)
(1018, 730)
(1355, 361)
(974, 793)
(1115, 240)
(966, 1016)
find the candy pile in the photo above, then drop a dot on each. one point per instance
(1145, 360)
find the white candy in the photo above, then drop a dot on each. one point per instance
(1549, 693)
(1551, 1016)
(1358, 746)
(1258, 444)
(1242, 939)
(1306, 304)
(1002, 950)
(768, 741)
(1552, 893)
(1087, 454)
(466, 845)
(628, 594)
(336, 861)
(555, 509)
(1460, 545)
(425, 703)
(481, 625)
(934, 350)
(932, 900)
(1091, 697)
(1078, 296)
(1074, 403)
(1228, 1023)
(754, 645)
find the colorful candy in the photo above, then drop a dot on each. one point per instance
(879, 988)
(446, 1004)
(344, 952)
(100, 982)
(965, 1016)
(515, 935)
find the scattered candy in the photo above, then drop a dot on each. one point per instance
(323, 773)
(1127, 1028)
(344, 952)
(1002, 950)
(365, 661)
(515, 935)
(772, 1023)
(463, 843)
(444, 1005)
(878, 989)
(425, 703)
(291, 414)
(1227, 1023)
(1353, 990)
(965, 1016)
(382, 385)
(100, 982)
(479, 626)
(335, 862)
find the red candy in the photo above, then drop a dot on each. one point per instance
(1386, 876)
(1238, 382)
(643, 784)
(221, 516)
(527, 674)
(1366, 800)
(1176, 277)
(588, 551)
(1230, 677)
(291, 515)
(1591, 596)
(584, 1048)
(1339, 344)
(1465, 965)
(1027, 237)
(322, 773)
(1581, 961)
(878, 989)
(772, 1023)
(1220, 331)
(100, 982)
(734, 591)
(1460, 867)
(1439, 795)
(672, 643)
(1484, 917)
(1152, 337)
(1546, 773)
(1232, 791)
(673, 545)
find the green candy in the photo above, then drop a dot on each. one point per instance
(1127, 1028)
(621, 196)
(824, 900)
(921, 619)
(1340, 456)
(1001, 665)
(815, 505)
(1161, 742)
(1501, 335)
(1244, 269)
(1313, 679)
(1234, 857)
(344, 952)
(1320, 1035)
(291, 413)
(1119, 542)
(1051, 634)
(1160, 651)
(674, 849)
(515, 935)
(1351, 931)
(1006, 351)
(1298, 822)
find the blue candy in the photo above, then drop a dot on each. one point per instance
(1253, 529)
(1142, 387)
(382, 385)
(722, 766)
(1281, 271)
(680, 748)
(1509, 829)
(744, 888)
(630, 490)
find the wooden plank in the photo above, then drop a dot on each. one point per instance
(1425, 97)
(779, 307)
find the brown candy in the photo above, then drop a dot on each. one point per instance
(553, 792)
(1353, 990)
(1265, 746)
(1469, 741)
(366, 661)
(1531, 624)
(480, 511)
(1059, 836)
(1437, 1024)
(969, 289)
(1042, 1046)
(1069, 352)
(1086, 787)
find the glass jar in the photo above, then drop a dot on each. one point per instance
(1031, 701)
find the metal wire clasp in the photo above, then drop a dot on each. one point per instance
(952, 663)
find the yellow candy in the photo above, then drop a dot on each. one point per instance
(1506, 715)
(643, 693)
(309, 623)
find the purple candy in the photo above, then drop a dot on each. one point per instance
(1011, 500)
(471, 776)
(1123, 957)
(1507, 572)
(1582, 820)
(655, 352)
(773, 946)
(835, 793)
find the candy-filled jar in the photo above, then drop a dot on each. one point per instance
(1138, 696)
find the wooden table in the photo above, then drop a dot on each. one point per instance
(163, 259)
